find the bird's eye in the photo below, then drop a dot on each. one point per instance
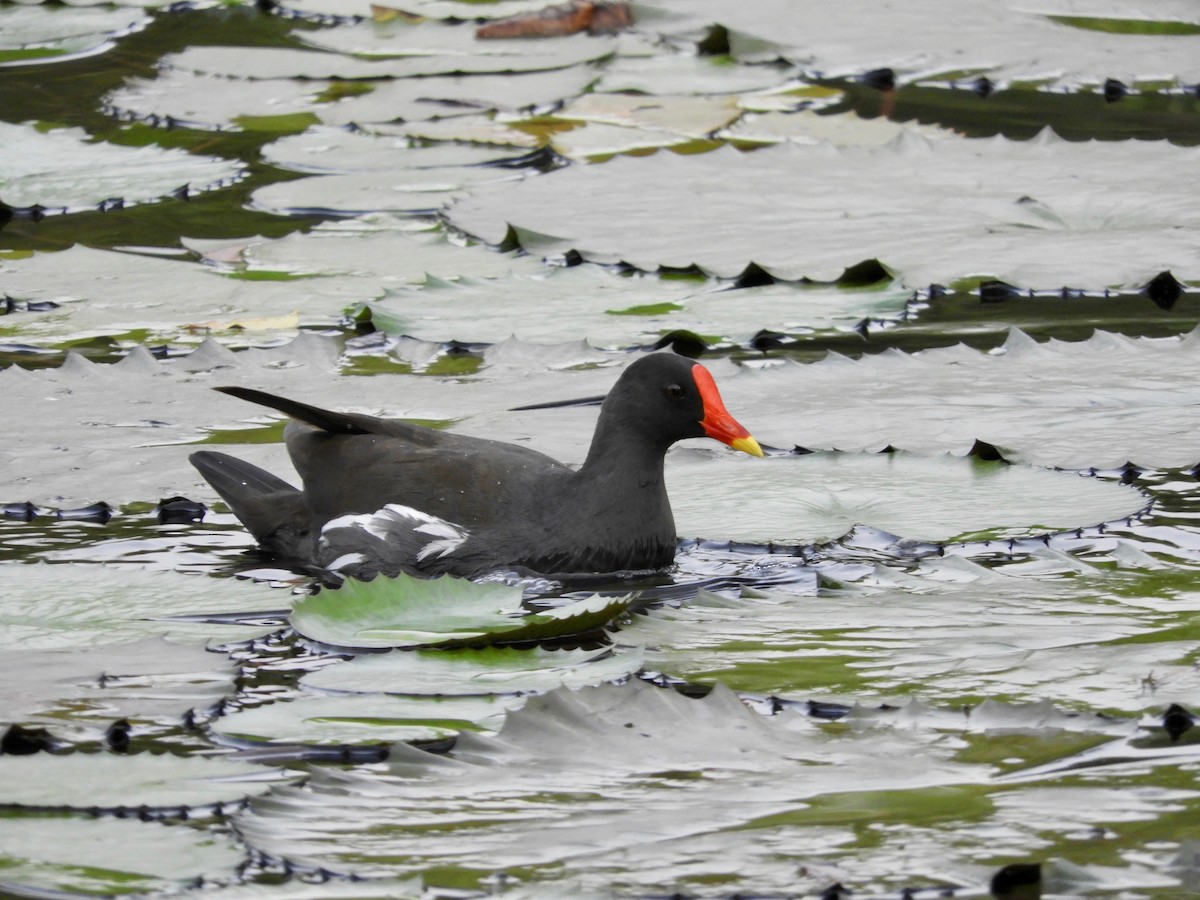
(673, 392)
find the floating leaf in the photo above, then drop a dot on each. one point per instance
(493, 670)
(1095, 403)
(821, 496)
(566, 303)
(1046, 626)
(439, 612)
(102, 292)
(52, 607)
(364, 720)
(63, 170)
(87, 688)
(108, 856)
(1048, 212)
(935, 39)
(112, 781)
(32, 33)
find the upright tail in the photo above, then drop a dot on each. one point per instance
(327, 420)
(271, 509)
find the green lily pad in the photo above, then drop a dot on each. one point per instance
(405, 611)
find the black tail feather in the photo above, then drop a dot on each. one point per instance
(327, 420)
(271, 509)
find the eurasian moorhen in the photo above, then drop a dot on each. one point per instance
(386, 495)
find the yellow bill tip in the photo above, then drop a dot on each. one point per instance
(746, 444)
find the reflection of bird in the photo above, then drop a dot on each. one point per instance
(387, 495)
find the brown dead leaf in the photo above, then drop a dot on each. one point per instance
(592, 16)
(390, 13)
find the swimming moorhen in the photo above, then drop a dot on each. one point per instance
(385, 495)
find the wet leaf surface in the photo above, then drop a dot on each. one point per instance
(1048, 212)
(446, 612)
(100, 857)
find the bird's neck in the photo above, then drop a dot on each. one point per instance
(620, 455)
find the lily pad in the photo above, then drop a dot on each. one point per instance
(1097, 403)
(88, 688)
(693, 117)
(108, 293)
(439, 612)
(364, 719)
(1049, 213)
(378, 251)
(494, 670)
(564, 303)
(205, 101)
(438, 96)
(341, 151)
(49, 607)
(111, 781)
(43, 33)
(63, 170)
(821, 496)
(1048, 626)
(43, 855)
(938, 39)
(563, 773)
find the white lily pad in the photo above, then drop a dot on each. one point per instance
(808, 127)
(109, 856)
(455, 48)
(597, 142)
(404, 611)
(583, 778)
(89, 687)
(621, 311)
(1044, 212)
(379, 255)
(345, 152)
(384, 57)
(821, 496)
(51, 607)
(937, 39)
(441, 96)
(1048, 627)
(110, 780)
(475, 128)
(64, 170)
(404, 191)
(104, 292)
(694, 117)
(680, 73)
(205, 101)
(36, 33)
(494, 670)
(365, 719)
(1095, 403)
